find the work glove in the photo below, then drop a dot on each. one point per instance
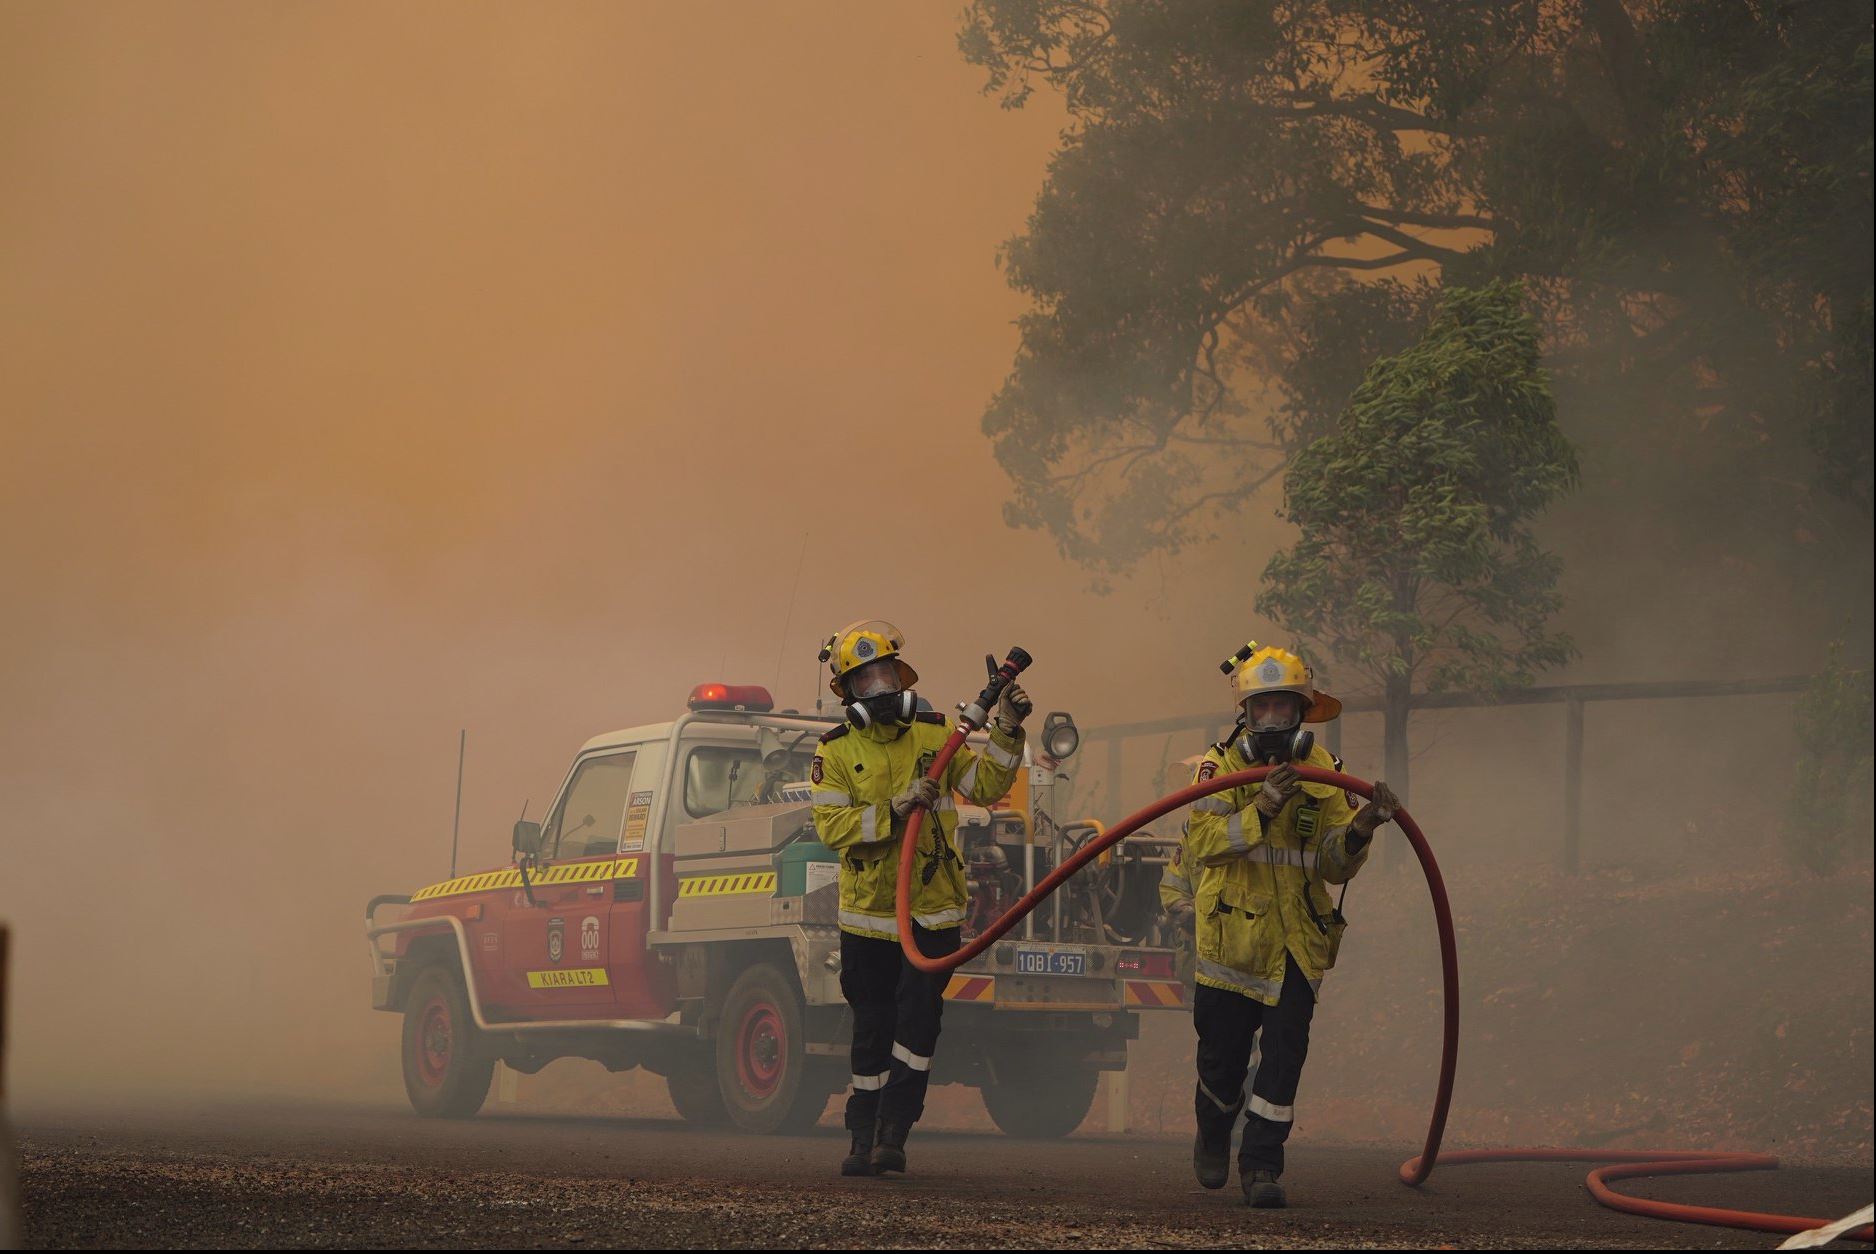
(1379, 810)
(922, 791)
(1279, 786)
(1013, 706)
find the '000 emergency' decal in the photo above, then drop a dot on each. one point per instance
(568, 873)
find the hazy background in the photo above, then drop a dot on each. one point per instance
(368, 373)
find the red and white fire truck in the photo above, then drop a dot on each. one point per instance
(674, 911)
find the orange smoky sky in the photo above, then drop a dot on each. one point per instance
(370, 372)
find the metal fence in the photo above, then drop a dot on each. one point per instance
(1573, 697)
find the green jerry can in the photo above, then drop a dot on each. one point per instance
(803, 865)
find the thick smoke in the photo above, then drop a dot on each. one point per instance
(497, 373)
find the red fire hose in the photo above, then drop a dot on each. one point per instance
(1624, 1164)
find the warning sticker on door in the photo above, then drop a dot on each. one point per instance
(637, 815)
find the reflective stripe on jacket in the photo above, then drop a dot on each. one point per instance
(857, 774)
(1261, 893)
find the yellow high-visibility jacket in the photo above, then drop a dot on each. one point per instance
(1176, 881)
(857, 773)
(1261, 894)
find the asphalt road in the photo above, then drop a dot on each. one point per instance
(334, 1176)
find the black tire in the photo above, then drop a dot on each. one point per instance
(1041, 1105)
(761, 1056)
(447, 1065)
(694, 1091)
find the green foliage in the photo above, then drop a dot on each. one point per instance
(1416, 558)
(1254, 199)
(1829, 815)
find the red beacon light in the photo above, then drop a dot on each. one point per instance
(752, 698)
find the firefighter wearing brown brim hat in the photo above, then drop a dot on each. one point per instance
(1266, 928)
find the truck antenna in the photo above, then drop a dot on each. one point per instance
(455, 827)
(788, 619)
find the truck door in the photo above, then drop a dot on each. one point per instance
(641, 989)
(556, 949)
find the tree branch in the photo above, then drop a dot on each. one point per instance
(1400, 258)
(1443, 221)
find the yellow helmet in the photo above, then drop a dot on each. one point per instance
(860, 644)
(1259, 668)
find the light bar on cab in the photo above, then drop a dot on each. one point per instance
(749, 697)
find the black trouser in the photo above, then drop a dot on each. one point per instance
(896, 1009)
(1228, 1025)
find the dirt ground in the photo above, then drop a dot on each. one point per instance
(1566, 1038)
(334, 1177)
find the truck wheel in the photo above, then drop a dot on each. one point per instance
(447, 1068)
(1042, 1105)
(694, 1091)
(762, 1070)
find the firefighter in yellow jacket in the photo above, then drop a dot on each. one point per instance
(868, 777)
(1267, 930)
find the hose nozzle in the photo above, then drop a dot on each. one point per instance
(977, 713)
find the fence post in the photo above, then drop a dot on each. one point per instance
(1117, 1101)
(1572, 785)
(1113, 775)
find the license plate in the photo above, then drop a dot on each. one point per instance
(1051, 961)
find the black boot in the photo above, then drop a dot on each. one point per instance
(1213, 1166)
(859, 1161)
(1262, 1190)
(889, 1154)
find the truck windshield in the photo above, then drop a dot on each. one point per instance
(717, 777)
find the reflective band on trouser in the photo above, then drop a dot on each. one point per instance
(828, 797)
(1229, 1110)
(918, 1062)
(968, 780)
(1272, 1111)
(943, 918)
(886, 925)
(1001, 756)
(1240, 979)
(867, 1083)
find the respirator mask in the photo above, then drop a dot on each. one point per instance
(875, 698)
(1274, 740)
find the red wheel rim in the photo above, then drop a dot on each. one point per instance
(761, 1050)
(434, 1036)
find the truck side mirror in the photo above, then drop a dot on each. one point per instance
(527, 838)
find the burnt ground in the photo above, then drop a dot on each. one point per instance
(336, 1176)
